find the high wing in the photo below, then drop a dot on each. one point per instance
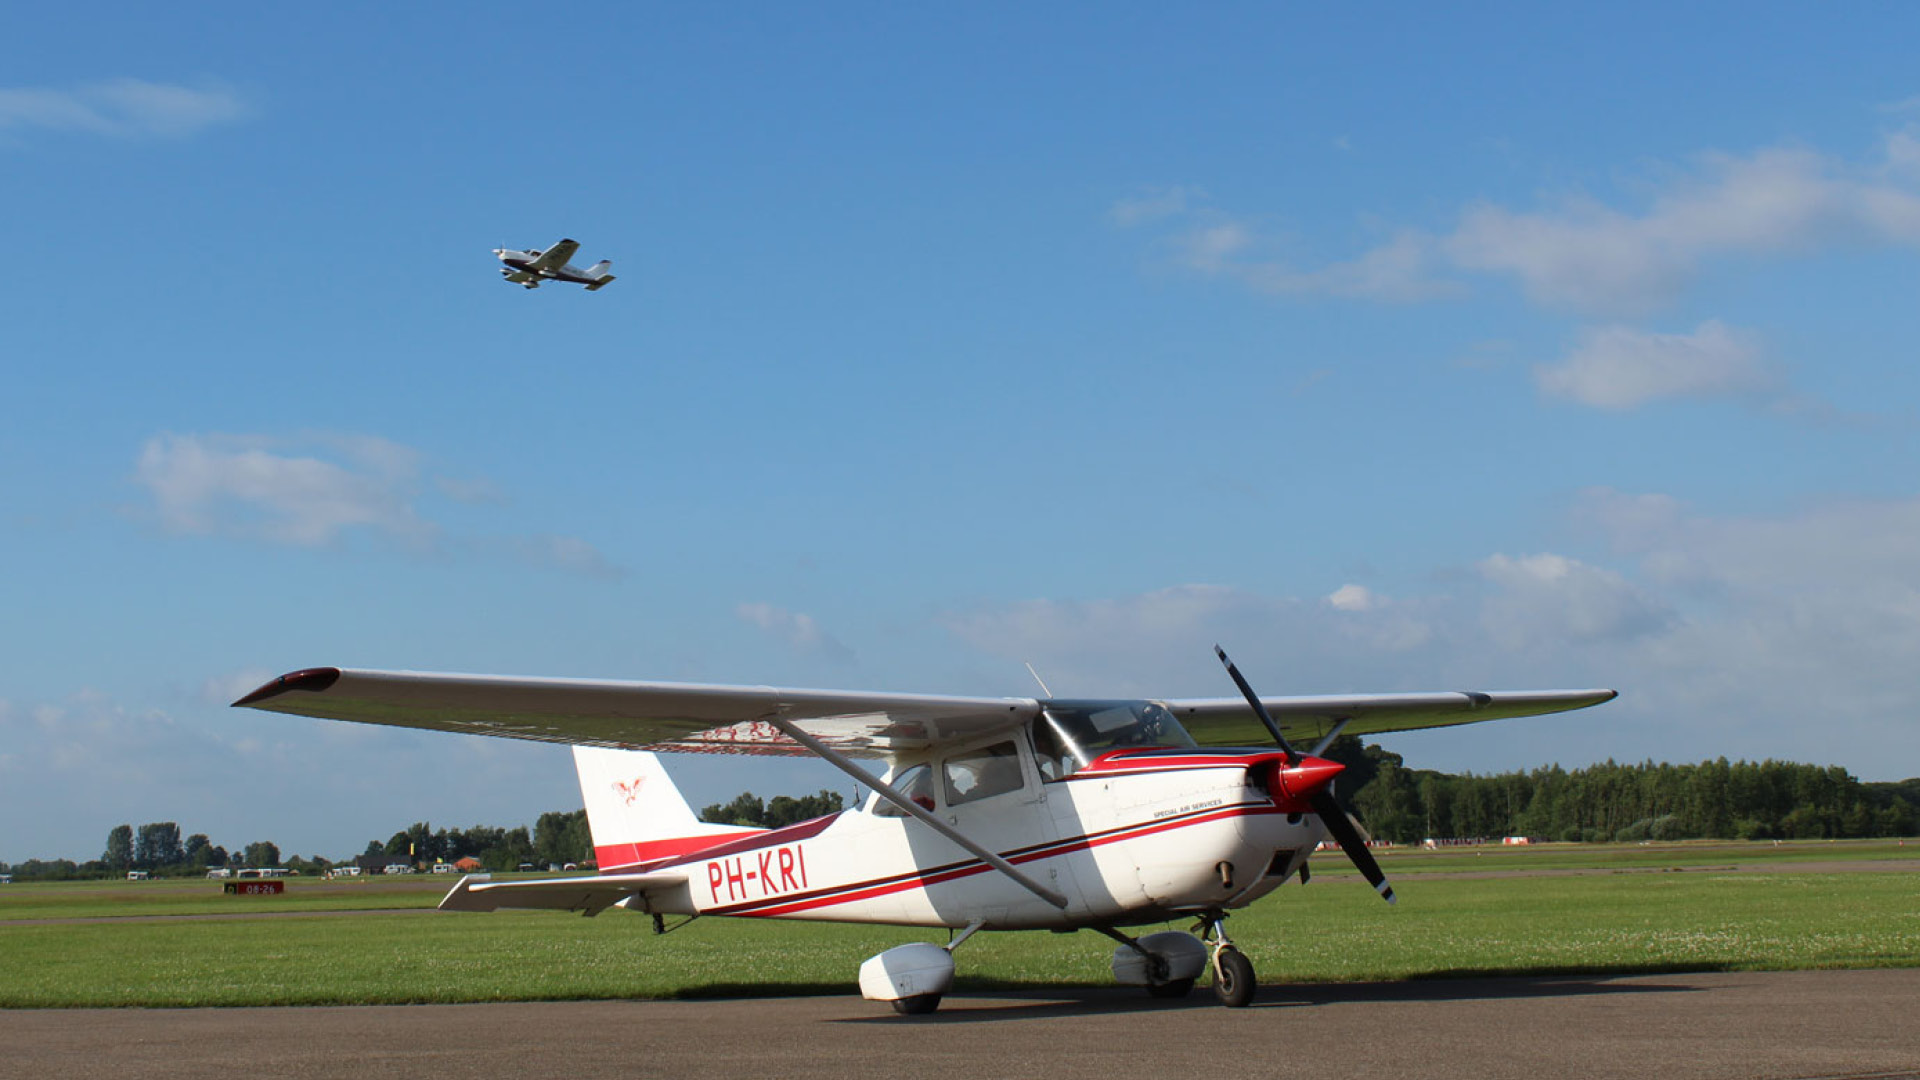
(697, 718)
(1306, 720)
(588, 895)
(555, 258)
(680, 717)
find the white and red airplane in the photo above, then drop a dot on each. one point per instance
(994, 813)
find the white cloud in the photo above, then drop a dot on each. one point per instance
(1353, 598)
(1589, 256)
(121, 108)
(1790, 635)
(1618, 367)
(1157, 643)
(245, 486)
(77, 766)
(1581, 253)
(1154, 205)
(1398, 270)
(567, 553)
(1548, 601)
(1805, 621)
(321, 489)
(798, 631)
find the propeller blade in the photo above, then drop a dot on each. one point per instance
(1343, 830)
(1259, 710)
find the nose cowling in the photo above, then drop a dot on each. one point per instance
(1295, 786)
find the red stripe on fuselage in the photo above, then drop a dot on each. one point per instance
(875, 887)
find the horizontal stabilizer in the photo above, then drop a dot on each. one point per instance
(589, 895)
(603, 281)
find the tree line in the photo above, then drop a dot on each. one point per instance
(155, 848)
(558, 838)
(777, 812)
(1740, 800)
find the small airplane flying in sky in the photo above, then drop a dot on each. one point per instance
(530, 268)
(993, 813)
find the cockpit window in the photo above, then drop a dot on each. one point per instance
(1067, 736)
(916, 783)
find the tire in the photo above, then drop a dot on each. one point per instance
(1175, 988)
(1233, 981)
(917, 1005)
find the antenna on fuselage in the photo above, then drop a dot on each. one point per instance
(1038, 679)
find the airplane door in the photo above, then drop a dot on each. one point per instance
(993, 794)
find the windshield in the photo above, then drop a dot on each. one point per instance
(1067, 736)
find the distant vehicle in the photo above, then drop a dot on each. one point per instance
(221, 872)
(527, 868)
(442, 868)
(137, 875)
(398, 868)
(531, 267)
(6, 879)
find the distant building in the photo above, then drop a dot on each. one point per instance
(377, 864)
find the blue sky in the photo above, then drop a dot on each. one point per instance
(1392, 348)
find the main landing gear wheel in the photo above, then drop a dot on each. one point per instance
(917, 1005)
(1233, 981)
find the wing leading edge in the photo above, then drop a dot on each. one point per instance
(678, 717)
(555, 258)
(1306, 720)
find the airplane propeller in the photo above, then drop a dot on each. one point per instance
(1344, 831)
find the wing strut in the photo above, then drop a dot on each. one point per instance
(908, 806)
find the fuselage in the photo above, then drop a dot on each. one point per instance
(522, 266)
(1134, 836)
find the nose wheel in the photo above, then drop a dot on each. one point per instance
(1233, 979)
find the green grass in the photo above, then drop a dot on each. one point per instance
(109, 899)
(1686, 853)
(1332, 930)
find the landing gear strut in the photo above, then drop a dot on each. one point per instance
(1233, 980)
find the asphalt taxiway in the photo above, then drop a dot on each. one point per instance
(1678, 1027)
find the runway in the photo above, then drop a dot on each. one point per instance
(1678, 1027)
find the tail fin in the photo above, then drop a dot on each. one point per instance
(636, 814)
(598, 272)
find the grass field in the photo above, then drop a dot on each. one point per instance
(1685, 907)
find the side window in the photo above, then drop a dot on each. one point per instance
(978, 774)
(916, 784)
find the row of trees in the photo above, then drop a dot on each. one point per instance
(781, 810)
(1713, 799)
(558, 838)
(156, 848)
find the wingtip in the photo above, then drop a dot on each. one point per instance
(309, 679)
